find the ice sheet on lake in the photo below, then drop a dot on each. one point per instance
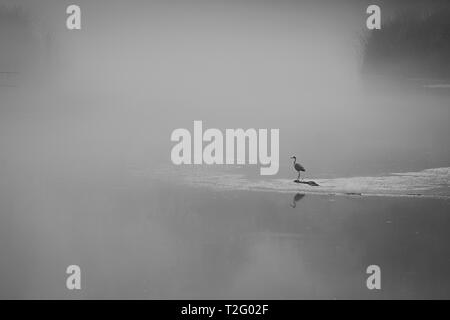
(433, 183)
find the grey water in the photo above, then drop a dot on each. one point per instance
(84, 141)
(144, 241)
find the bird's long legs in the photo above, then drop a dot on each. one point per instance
(298, 178)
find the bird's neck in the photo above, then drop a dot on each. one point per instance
(295, 160)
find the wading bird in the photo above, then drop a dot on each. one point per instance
(298, 167)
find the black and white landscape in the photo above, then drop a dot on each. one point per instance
(86, 176)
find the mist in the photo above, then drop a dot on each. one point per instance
(83, 109)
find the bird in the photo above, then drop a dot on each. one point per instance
(298, 167)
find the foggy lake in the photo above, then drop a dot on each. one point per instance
(86, 175)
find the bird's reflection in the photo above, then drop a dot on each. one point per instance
(297, 198)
